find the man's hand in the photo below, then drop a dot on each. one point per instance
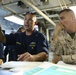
(1, 61)
(25, 57)
(56, 58)
(28, 57)
(57, 30)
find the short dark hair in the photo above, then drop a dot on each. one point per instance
(32, 13)
(67, 10)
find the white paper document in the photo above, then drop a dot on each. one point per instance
(19, 66)
(67, 65)
(47, 68)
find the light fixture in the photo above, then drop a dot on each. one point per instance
(73, 8)
(15, 19)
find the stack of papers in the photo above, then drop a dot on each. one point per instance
(39, 68)
(19, 66)
(67, 65)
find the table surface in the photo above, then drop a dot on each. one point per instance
(44, 65)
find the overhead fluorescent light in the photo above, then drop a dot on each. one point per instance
(15, 19)
(73, 8)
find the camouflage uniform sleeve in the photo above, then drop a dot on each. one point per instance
(69, 51)
(56, 47)
(70, 59)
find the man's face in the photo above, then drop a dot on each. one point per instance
(29, 22)
(66, 20)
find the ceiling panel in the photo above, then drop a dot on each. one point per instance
(50, 8)
(5, 1)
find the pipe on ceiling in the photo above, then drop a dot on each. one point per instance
(39, 11)
(65, 4)
(60, 4)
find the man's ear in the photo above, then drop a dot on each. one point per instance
(34, 19)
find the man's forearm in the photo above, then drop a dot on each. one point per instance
(41, 57)
(1, 61)
(70, 59)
